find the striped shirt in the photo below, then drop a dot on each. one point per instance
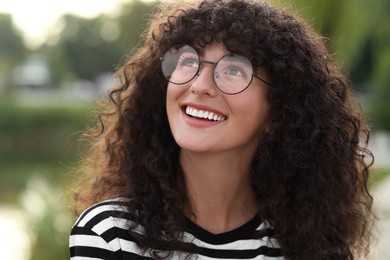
(100, 234)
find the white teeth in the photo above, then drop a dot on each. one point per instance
(194, 112)
(203, 114)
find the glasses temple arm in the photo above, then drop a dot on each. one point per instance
(262, 80)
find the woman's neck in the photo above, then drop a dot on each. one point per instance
(219, 190)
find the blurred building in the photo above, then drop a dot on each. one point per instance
(33, 74)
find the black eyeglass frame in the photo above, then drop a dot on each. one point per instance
(214, 66)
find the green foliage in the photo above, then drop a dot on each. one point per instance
(50, 243)
(88, 47)
(83, 48)
(345, 24)
(357, 32)
(132, 21)
(38, 140)
(318, 13)
(379, 106)
(49, 219)
(12, 51)
(31, 133)
(378, 175)
(12, 48)
(37, 149)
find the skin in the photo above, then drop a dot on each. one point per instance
(216, 155)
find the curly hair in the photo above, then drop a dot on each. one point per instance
(309, 172)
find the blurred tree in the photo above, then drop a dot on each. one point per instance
(346, 26)
(323, 15)
(12, 50)
(359, 36)
(85, 52)
(89, 47)
(132, 21)
(379, 43)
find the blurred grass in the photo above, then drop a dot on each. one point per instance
(377, 176)
(38, 140)
(15, 177)
(30, 133)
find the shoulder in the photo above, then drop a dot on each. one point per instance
(102, 232)
(97, 216)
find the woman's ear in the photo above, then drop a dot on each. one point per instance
(267, 128)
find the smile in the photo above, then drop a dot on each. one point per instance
(203, 114)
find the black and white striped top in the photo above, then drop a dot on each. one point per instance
(100, 234)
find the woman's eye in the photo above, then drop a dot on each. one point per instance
(189, 61)
(235, 71)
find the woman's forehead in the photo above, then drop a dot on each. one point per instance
(201, 50)
(228, 45)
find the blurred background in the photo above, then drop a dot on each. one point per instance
(57, 58)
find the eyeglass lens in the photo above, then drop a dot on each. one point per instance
(232, 73)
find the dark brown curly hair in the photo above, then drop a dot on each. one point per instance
(310, 171)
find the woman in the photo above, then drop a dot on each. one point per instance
(232, 136)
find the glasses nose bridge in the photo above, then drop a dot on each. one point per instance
(201, 62)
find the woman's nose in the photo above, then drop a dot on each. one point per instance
(204, 81)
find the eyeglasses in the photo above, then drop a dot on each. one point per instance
(233, 73)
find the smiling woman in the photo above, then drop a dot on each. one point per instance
(232, 135)
(37, 17)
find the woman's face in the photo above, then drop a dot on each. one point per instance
(203, 119)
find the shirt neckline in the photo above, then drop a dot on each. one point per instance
(245, 231)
